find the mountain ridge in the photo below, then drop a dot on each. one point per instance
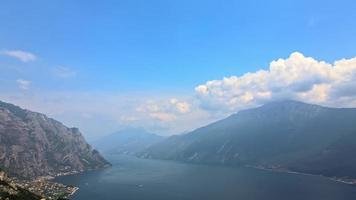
(127, 141)
(284, 134)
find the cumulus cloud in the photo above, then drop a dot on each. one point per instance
(181, 106)
(100, 113)
(20, 55)
(297, 77)
(164, 110)
(23, 84)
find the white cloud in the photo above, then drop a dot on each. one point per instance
(181, 106)
(98, 113)
(297, 77)
(20, 55)
(23, 84)
(164, 109)
(64, 72)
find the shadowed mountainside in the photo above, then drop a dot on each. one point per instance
(282, 135)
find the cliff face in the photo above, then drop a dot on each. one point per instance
(31, 145)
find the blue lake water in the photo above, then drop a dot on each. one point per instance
(132, 178)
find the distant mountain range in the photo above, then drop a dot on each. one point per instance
(32, 145)
(127, 141)
(286, 135)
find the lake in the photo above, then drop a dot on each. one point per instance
(132, 178)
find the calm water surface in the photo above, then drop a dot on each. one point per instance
(131, 178)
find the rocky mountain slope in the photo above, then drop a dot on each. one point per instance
(32, 145)
(286, 135)
(127, 141)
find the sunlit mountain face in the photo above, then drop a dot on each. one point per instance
(177, 100)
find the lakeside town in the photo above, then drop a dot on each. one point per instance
(42, 186)
(46, 188)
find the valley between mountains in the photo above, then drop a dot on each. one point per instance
(284, 136)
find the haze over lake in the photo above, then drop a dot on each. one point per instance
(132, 178)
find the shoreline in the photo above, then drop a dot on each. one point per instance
(69, 190)
(74, 189)
(348, 181)
(344, 180)
(73, 192)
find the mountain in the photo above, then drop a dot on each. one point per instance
(287, 135)
(32, 145)
(127, 141)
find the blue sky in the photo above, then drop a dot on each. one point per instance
(146, 50)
